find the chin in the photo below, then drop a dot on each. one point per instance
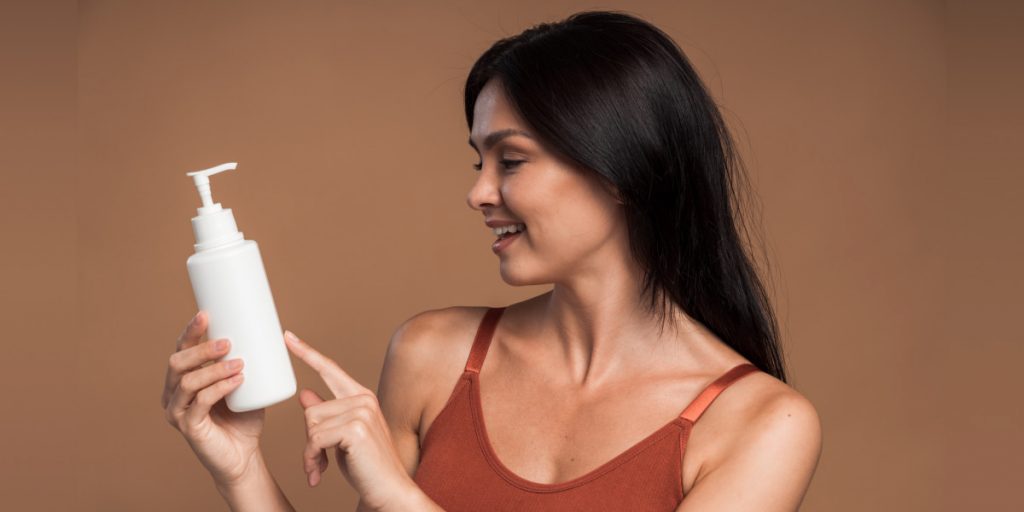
(514, 276)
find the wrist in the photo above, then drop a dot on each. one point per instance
(255, 481)
(255, 471)
(412, 499)
(254, 490)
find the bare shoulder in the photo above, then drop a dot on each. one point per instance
(771, 449)
(424, 344)
(424, 356)
(779, 417)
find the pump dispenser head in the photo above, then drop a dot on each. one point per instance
(214, 225)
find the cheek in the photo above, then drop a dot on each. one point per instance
(563, 213)
(574, 225)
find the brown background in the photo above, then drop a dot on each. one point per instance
(883, 139)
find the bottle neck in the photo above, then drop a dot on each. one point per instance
(219, 244)
(215, 229)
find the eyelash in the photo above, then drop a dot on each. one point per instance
(509, 164)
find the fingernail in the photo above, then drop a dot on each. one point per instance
(220, 345)
(291, 336)
(195, 320)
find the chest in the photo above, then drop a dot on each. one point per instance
(544, 434)
(548, 437)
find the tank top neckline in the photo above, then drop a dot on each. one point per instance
(684, 421)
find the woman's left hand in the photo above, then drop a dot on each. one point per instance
(352, 424)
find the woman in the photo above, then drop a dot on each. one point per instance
(649, 373)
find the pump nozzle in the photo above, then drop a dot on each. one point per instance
(213, 226)
(202, 182)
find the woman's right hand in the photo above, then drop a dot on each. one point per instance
(226, 442)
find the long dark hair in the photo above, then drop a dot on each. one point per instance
(615, 95)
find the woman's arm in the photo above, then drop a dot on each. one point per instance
(413, 360)
(770, 467)
(416, 500)
(257, 491)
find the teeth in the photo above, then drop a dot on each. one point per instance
(509, 229)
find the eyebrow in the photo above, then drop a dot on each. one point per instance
(493, 138)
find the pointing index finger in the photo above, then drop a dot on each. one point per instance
(339, 382)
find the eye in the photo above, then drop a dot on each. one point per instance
(510, 164)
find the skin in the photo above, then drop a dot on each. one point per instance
(566, 366)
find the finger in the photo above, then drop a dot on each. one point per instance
(314, 460)
(190, 359)
(318, 410)
(339, 382)
(186, 360)
(336, 430)
(315, 475)
(308, 398)
(193, 332)
(195, 381)
(200, 409)
(319, 438)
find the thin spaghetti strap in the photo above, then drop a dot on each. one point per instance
(483, 339)
(708, 395)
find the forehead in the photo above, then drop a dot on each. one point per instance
(493, 111)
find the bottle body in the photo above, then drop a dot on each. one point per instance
(230, 284)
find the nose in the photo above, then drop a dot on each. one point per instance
(486, 192)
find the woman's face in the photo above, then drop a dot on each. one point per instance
(573, 224)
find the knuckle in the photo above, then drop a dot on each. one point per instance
(363, 414)
(358, 431)
(188, 382)
(205, 397)
(175, 361)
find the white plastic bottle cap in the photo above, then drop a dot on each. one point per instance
(214, 225)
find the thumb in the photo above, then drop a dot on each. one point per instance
(308, 398)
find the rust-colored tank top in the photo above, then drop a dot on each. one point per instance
(460, 471)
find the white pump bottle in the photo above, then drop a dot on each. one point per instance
(231, 285)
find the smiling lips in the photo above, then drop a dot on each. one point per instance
(501, 227)
(504, 231)
(504, 240)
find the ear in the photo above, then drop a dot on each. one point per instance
(308, 398)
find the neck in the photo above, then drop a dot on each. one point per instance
(604, 331)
